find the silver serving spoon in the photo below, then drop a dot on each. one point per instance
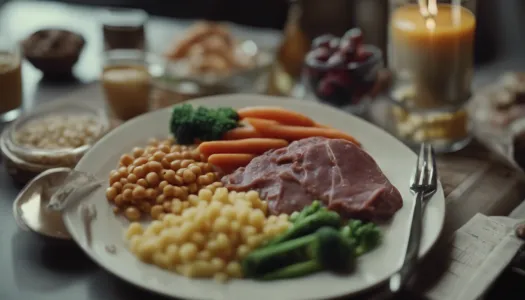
(30, 207)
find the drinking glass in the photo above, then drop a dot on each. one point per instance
(124, 28)
(10, 80)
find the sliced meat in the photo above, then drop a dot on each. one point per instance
(338, 173)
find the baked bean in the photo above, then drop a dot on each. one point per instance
(142, 182)
(173, 156)
(158, 156)
(160, 199)
(169, 191)
(165, 163)
(114, 176)
(180, 171)
(188, 176)
(195, 170)
(128, 186)
(185, 163)
(151, 194)
(195, 155)
(165, 148)
(111, 193)
(132, 213)
(187, 155)
(139, 171)
(175, 165)
(169, 176)
(127, 195)
(123, 181)
(177, 192)
(140, 161)
(154, 166)
(152, 179)
(119, 200)
(132, 178)
(130, 169)
(139, 192)
(178, 180)
(137, 152)
(163, 184)
(117, 186)
(126, 160)
(156, 210)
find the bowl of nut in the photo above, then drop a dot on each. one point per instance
(343, 71)
(54, 135)
(53, 51)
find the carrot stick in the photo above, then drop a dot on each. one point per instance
(260, 120)
(278, 114)
(251, 146)
(321, 125)
(239, 133)
(229, 162)
(293, 133)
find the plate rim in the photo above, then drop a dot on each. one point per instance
(92, 254)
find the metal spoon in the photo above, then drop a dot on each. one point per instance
(30, 207)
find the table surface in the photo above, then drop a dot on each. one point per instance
(39, 269)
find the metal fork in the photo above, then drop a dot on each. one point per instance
(423, 185)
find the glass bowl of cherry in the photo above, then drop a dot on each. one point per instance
(342, 71)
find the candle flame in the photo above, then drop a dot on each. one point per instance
(428, 8)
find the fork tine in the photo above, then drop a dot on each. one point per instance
(419, 173)
(433, 169)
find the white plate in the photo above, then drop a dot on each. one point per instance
(395, 159)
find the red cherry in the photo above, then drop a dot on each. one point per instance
(355, 35)
(336, 60)
(322, 41)
(348, 52)
(334, 43)
(363, 55)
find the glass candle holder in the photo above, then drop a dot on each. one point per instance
(431, 57)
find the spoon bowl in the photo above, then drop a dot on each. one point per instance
(30, 206)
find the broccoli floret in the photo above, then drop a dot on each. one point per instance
(204, 124)
(308, 225)
(305, 212)
(364, 236)
(324, 249)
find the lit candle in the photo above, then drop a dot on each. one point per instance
(432, 50)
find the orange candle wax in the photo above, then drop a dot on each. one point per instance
(434, 55)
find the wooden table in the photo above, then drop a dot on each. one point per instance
(473, 180)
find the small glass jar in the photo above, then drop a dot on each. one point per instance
(10, 80)
(53, 135)
(431, 57)
(124, 28)
(126, 81)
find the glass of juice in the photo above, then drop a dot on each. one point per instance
(127, 81)
(10, 80)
